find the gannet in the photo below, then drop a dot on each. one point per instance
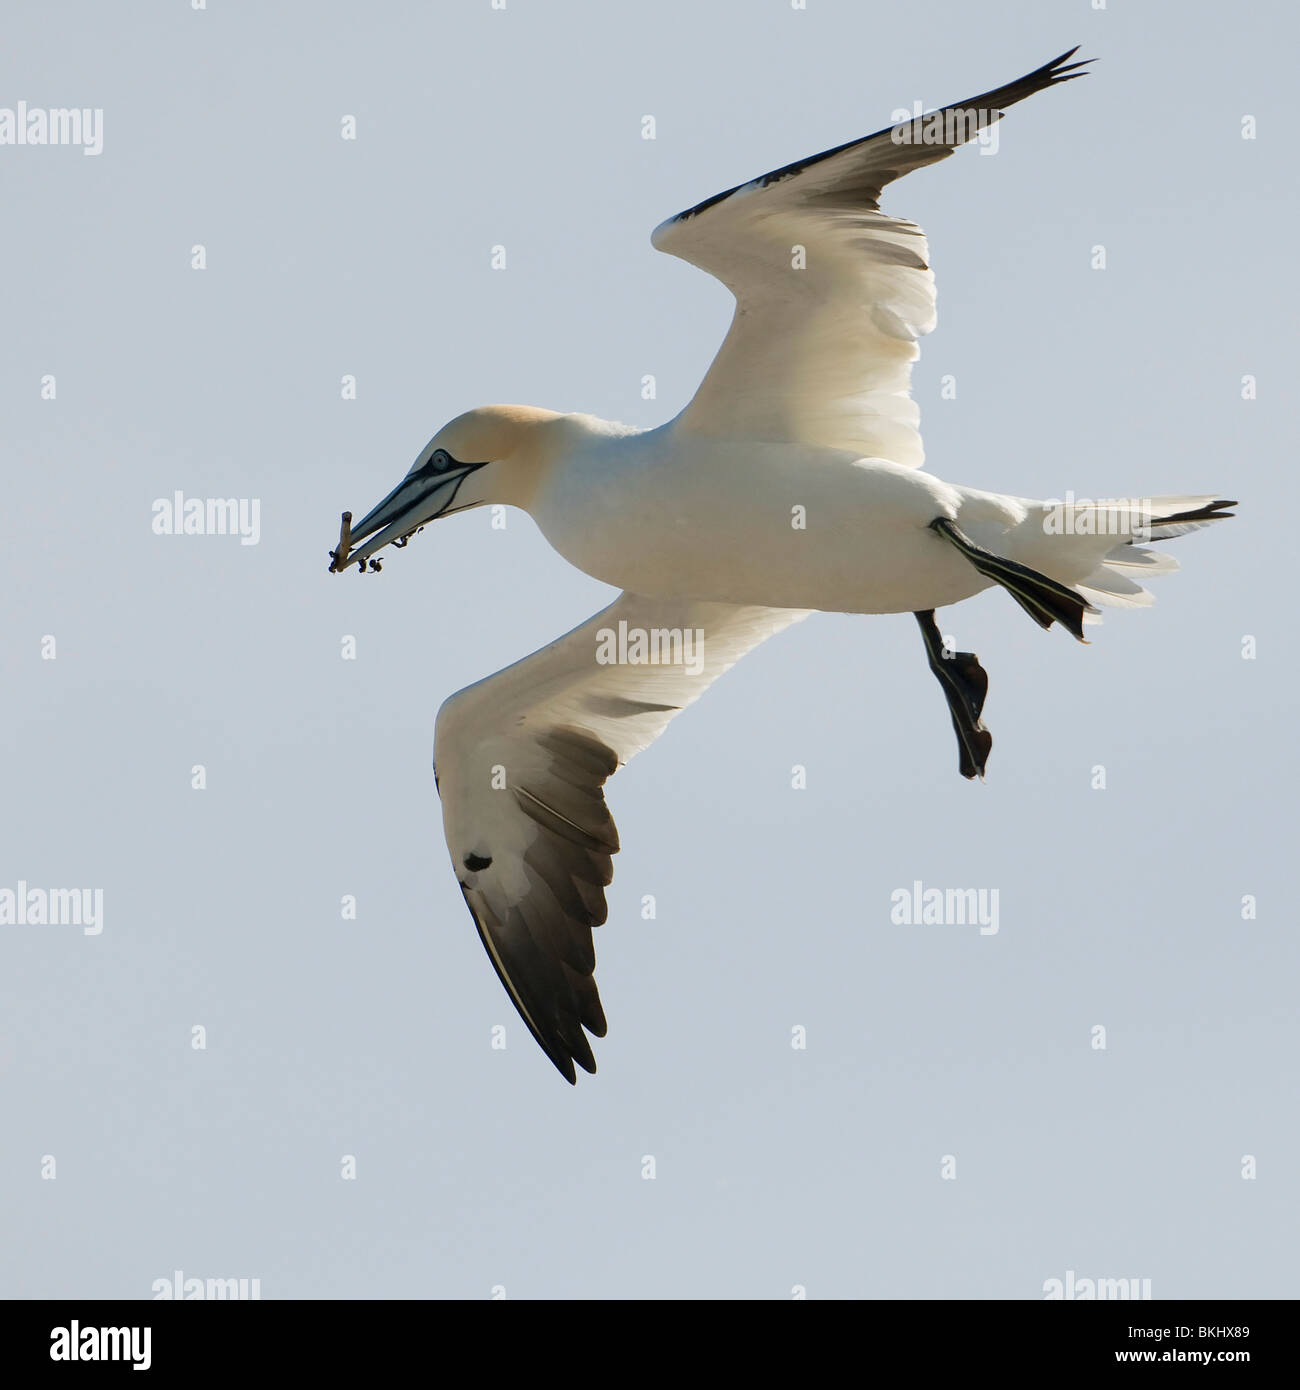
(792, 482)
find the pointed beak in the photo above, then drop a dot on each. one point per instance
(422, 496)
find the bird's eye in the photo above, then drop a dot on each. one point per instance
(441, 460)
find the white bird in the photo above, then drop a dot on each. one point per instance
(792, 482)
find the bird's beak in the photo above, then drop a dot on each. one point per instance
(422, 496)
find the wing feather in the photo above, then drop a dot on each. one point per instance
(831, 294)
(522, 759)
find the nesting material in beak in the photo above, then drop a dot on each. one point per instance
(339, 557)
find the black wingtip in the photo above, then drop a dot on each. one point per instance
(1213, 511)
(1058, 70)
(997, 100)
(556, 1049)
(560, 1060)
(1058, 64)
(565, 1051)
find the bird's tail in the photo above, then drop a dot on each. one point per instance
(1100, 549)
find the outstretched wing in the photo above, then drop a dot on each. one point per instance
(831, 295)
(521, 759)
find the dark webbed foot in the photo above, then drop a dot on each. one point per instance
(965, 684)
(1045, 600)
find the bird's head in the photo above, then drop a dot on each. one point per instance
(492, 454)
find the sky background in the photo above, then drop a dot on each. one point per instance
(775, 1168)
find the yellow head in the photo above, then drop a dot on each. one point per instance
(493, 454)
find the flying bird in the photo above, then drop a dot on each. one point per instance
(792, 482)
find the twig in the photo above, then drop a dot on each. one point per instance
(339, 557)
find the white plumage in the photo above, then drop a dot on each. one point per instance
(791, 482)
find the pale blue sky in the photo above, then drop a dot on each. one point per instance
(775, 1168)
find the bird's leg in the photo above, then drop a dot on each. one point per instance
(1045, 600)
(965, 684)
